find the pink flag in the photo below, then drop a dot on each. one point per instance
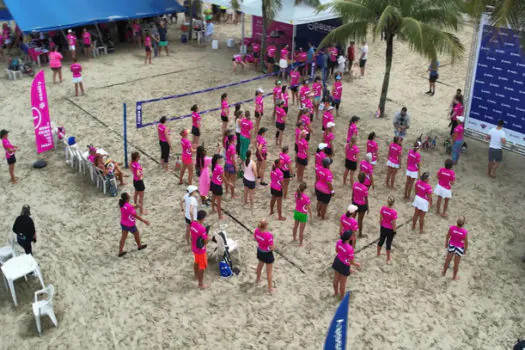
(40, 109)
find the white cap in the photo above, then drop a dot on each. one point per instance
(260, 90)
(192, 189)
(330, 108)
(369, 156)
(322, 146)
(352, 208)
(330, 124)
(69, 31)
(461, 119)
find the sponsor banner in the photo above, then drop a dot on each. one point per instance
(314, 32)
(336, 336)
(277, 33)
(40, 110)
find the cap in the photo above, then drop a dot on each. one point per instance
(192, 189)
(3, 132)
(369, 156)
(69, 31)
(330, 124)
(352, 208)
(260, 90)
(327, 161)
(338, 77)
(346, 235)
(322, 146)
(279, 82)
(461, 119)
(418, 144)
(330, 108)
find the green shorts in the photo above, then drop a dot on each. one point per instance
(163, 43)
(301, 217)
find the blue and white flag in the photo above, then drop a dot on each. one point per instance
(336, 337)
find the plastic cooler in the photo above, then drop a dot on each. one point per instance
(215, 44)
(230, 42)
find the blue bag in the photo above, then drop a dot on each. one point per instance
(225, 269)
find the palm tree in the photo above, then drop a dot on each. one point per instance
(419, 22)
(505, 12)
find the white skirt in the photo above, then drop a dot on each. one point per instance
(421, 204)
(283, 63)
(442, 192)
(77, 80)
(392, 165)
(412, 174)
(374, 162)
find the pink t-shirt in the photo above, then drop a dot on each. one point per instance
(246, 127)
(71, 39)
(295, 76)
(284, 54)
(86, 37)
(261, 141)
(256, 47)
(423, 189)
(327, 118)
(264, 240)
(162, 132)
(237, 58)
(352, 152)
(328, 138)
(302, 149)
(280, 114)
(276, 177)
(225, 109)
(259, 104)
(7, 146)
(319, 156)
(195, 119)
(458, 111)
(76, 69)
(186, 149)
(297, 133)
(55, 59)
(127, 215)
(348, 223)
(216, 176)
(360, 193)
(302, 56)
(303, 91)
(333, 53)
(371, 147)
(394, 153)
(271, 51)
(137, 171)
(457, 236)
(459, 131)
(324, 177)
(389, 215)
(368, 170)
(446, 177)
(338, 90)
(302, 203)
(277, 92)
(352, 131)
(413, 160)
(309, 104)
(230, 154)
(318, 89)
(136, 27)
(285, 161)
(306, 120)
(147, 41)
(345, 252)
(285, 97)
(197, 230)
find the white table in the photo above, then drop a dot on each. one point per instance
(19, 267)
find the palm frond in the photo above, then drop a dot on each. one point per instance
(510, 13)
(236, 4)
(440, 17)
(346, 32)
(270, 8)
(350, 11)
(312, 3)
(389, 20)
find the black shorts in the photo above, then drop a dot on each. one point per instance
(56, 69)
(188, 221)
(164, 151)
(265, 257)
(270, 60)
(294, 88)
(286, 109)
(296, 148)
(362, 63)
(87, 46)
(224, 118)
(308, 137)
(328, 150)
(138, 185)
(11, 160)
(255, 55)
(286, 174)
(216, 189)
(258, 115)
(323, 197)
(280, 126)
(148, 49)
(336, 104)
(433, 78)
(276, 193)
(332, 64)
(303, 162)
(248, 183)
(361, 208)
(340, 267)
(350, 165)
(195, 131)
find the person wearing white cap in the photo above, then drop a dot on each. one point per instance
(413, 168)
(324, 188)
(328, 138)
(387, 222)
(367, 168)
(327, 117)
(71, 42)
(319, 156)
(189, 205)
(457, 139)
(348, 223)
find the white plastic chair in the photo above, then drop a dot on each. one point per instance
(44, 307)
(230, 244)
(103, 181)
(7, 252)
(80, 160)
(97, 48)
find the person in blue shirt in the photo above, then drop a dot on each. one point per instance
(433, 75)
(310, 57)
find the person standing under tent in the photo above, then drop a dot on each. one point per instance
(456, 244)
(137, 32)
(55, 62)
(86, 43)
(496, 137)
(163, 41)
(148, 47)
(363, 58)
(165, 142)
(199, 240)
(76, 70)
(138, 182)
(128, 216)
(310, 58)
(24, 228)
(72, 43)
(342, 262)
(265, 248)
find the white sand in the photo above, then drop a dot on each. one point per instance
(149, 299)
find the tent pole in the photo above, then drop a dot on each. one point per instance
(99, 34)
(293, 43)
(242, 34)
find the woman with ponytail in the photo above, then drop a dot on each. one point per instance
(202, 165)
(217, 178)
(128, 215)
(276, 189)
(250, 175)
(387, 222)
(302, 209)
(413, 166)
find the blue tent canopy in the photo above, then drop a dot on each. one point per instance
(5, 15)
(42, 16)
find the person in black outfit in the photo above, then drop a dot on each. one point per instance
(25, 229)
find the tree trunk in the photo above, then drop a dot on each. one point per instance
(386, 78)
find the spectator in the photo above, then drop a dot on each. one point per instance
(163, 41)
(351, 55)
(25, 229)
(433, 76)
(363, 58)
(496, 137)
(401, 123)
(209, 31)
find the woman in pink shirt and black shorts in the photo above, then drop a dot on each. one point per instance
(342, 262)
(456, 244)
(165, 142)
(128, 215)
(195, 124)
(265, 247)
(276, 189)
(387, 222)
(360, 199)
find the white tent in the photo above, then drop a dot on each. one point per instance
(290, 13)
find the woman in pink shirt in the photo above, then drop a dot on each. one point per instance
(195, 124)
(202, 166)
(456, 244)
(394, 161)
(276, 94)
(360, 199)
(295, 77)
(138, 182)
(413, 168)
(280, 122)
(371, 147)
(147, 46)
(259, 107)
(302, 209)
(55, 62)
(9, 154)
(217, 178)
(164, 142)
(328, 117)
(186, 155)
(137, 32)
(457, 139)
(276, 189)
(283, 61)
(285, 97)
(422, 201)
(324, 188)
(285, 162)
(76, 70)
(387, 222)
(348, 223)
(337, 91)
(457, 111)
(302, 155)
(261, 154)
(352, 128)
(265, 247)
(128, 215)
(342, 262)
(246, 126)
(317, 86)
(352, 156)
(367, 168)
(446, 178)
(230, 168)
(225, 111)
(86, 41)
(328, 138)
(271, 50)
(319, 156)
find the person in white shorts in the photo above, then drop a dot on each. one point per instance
(422, 202)
(413, 166)
(446, 178)
(496, 137)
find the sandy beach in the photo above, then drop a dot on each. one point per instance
(149, 300)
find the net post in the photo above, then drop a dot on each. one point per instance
(125, 136)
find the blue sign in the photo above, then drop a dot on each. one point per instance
(314, 32)
(336, 337)
(499, 84)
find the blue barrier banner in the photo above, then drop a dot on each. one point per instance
(499, 84)
(336, 337)
(314, 32)
(138, 114)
